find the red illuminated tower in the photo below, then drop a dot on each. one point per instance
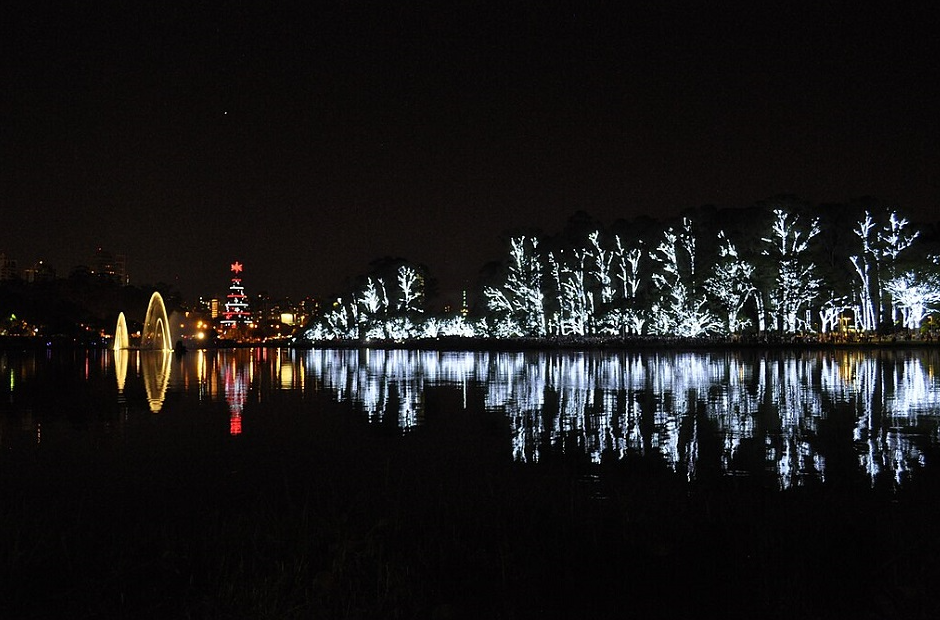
(236, 304)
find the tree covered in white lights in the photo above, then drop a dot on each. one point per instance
(520, 300)
(411, 289)
(575, 304)
(795, 282)
(894, 238)
(374, 298)
(628, 268)
(915, 295)
(731, 284)
(877, 266)
(588, 282)
(625, 316)
(865, 265)
(374, 306)
(601, 260)
(681, 309)
(340, 322)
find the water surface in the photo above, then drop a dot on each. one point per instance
(797, 417)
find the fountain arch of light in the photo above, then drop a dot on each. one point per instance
(156, 331)
(121, 337)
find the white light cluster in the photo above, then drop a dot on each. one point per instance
(652, 403)
(608, 288)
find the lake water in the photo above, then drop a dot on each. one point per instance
(794, 417)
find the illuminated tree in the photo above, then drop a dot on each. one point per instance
(374, 298)
(628, 268)
(409, 284)
(373, 311)
(318, 331)
(520, 298)
(877, 265)
(863, 263)
(915, 295)
(342, 321)
(399, 328)
(587, 287)
(731, 284)
(374, 303)
(667, 280)
(795, 283)
(557, 320)
(601, 272)
(617, 311)
(575, 305)
(448, 327)
(681, 309)
(830, 311)
(625, 316)
(893, 240)
(459, 326)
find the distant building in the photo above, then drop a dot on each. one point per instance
(8, 270)
(104, 264)
(39, 272)
(211, 306)
(306, 310)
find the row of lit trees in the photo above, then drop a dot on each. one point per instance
(779, 271)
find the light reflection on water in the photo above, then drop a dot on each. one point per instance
(613, 404)
(756, 411)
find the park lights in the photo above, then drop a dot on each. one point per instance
(768, 283)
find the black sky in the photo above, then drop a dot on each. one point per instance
(306, 142)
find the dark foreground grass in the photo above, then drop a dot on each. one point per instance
(319, 525)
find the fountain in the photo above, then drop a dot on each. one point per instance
(155, 351)
(156, 333)
(121, 337)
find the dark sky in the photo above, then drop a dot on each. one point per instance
(307, 142)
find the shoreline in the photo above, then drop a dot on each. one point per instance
(587, 343)
(619, 344)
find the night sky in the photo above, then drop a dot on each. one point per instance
(307, 142)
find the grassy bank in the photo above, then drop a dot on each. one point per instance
(314, 524)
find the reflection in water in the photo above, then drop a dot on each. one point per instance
(236, 392)
(769, 413)
(120, 368)
(799, 417)
(155, 367)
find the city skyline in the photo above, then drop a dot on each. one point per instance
(308, 142)
(41, 270)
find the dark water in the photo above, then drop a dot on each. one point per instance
(414, 484)
(797, 417)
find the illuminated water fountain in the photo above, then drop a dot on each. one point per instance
(155, 335)
(121, 337)
(154, 338)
